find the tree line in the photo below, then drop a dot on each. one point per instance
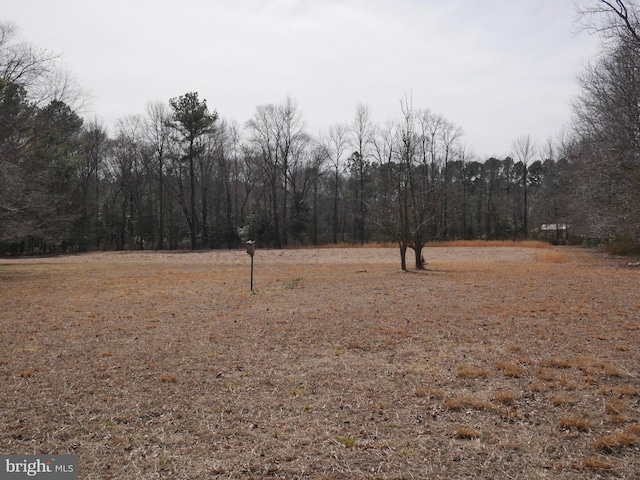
(181, 176)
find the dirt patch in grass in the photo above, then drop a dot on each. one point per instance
(499, 362)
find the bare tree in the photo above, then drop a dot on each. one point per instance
(450, 135)
(234, 139)
(273, 132)
(607, 122)
(524, 150)
(36, 111)
(464, 186)
(264, 138)
(392, 183)
(336, 143)
(306, 166)
(40, 72)
(22, 63)
(431, 160)
(157, 134)
(410, 195)
(615, 19)
(408, 221)
(361, 135)
(95, 145)
(291, 126)
(227, 153)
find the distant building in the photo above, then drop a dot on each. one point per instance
(554, 232)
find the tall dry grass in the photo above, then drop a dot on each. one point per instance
(453, 243)
(493, 243)
(549, 257)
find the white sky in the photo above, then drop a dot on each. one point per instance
(497, 68)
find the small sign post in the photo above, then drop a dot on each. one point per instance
(251, 249)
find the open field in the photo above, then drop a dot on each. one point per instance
(498, 363)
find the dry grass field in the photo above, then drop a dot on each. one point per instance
(501, 363)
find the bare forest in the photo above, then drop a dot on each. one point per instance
(182, 176)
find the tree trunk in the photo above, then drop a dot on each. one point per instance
(192, 198)
(363, 206)
(403, 256)
(335, 207)
(525, 227)
(161, 205)
(205, 214)
(417, 249)
(276, 217)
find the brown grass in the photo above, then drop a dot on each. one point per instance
(492, 243)
(547, 375)
(634, 429)
(618, 418)
(582, 424)
(505, 396)
(617, 440)
(165, 364)
(625, 390)
(549, 257)
(555, 363)
(559, 400)
(511, 369)
(594, 462)
(466, 403)
(448, 244)
(470, 372)
(466, 433)
(429, 393)
(584, 362)
(615, 406)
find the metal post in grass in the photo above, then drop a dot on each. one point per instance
(251, 249)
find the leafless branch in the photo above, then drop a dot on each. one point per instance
(613, 18)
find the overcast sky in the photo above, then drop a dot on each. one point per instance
(497, 68)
